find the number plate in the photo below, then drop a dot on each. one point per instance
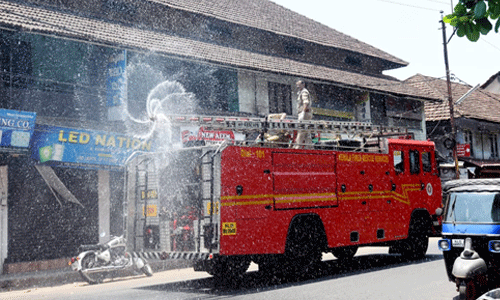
(459, 243)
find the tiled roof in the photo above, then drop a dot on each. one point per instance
(35, 19)
(269, 16)
(480, 104)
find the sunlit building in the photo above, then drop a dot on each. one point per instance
(82, 75)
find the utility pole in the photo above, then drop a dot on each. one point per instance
(450, 99)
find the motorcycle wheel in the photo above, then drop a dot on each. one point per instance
(147, 270)
(88, 262)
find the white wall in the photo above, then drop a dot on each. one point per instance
(494, 87)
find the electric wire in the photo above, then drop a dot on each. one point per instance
(494, 46)
(409, 5)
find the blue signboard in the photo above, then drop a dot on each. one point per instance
(116, 86)
(84, 148)
(16, 128)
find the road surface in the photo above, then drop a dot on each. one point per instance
(373, 274)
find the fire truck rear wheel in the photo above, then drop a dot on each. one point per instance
(305, 243)
(229, 267)
(270, 265)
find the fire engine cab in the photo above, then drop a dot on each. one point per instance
(275, 203)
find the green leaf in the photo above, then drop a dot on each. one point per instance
(484, 26)
(461, 29)
(480, 10)
(497, 25)
(464, 19)
(460, 9)
(449, 18)
(468, 3)
(473, 33)
(494, 15)
(495, 10)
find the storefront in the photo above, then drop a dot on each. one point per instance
(67, 191)
(16, 130)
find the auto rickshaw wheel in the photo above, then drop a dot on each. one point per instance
(468, 290)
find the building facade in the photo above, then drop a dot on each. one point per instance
(92, 72)
(492, 85)
(476, 123)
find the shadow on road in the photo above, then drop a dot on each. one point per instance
(257, 281)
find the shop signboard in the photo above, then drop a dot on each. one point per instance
(16, 128)
(192, 133)
(463, 150)
(116, 86)
(84, 148)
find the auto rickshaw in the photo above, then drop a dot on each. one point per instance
(471, 235)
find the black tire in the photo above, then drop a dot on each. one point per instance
(468, 290)
(89, 262)
(345, 253)
(271, 265)
(230, 267)
(415, 246)
(237, 267)
(147, 270)
(305, 244)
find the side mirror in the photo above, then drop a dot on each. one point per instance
(439, 211)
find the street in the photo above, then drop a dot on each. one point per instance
(373, 274)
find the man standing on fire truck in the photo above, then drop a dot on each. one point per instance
(304, 111)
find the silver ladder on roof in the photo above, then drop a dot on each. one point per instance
(255, 124)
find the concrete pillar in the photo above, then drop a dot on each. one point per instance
(104, 205)
(129, 208)
(3, 215)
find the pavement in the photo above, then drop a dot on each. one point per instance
(55, 277)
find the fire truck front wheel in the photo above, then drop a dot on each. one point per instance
(345, 253)
(415, 246)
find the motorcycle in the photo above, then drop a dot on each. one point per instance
(95, 261)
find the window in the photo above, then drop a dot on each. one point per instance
(399, 163)
(51, 76)
(280, 98)
(494, 145)
(468, 207)
(426, 161)
(15, 61)
(469, 140)
(414, 162)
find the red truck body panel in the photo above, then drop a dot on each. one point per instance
(360, 197)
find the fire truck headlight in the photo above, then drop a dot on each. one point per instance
(444, 244)
(494, 246)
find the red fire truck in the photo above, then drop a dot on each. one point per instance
(228, 204)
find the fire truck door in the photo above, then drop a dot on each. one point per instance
(303, 180)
